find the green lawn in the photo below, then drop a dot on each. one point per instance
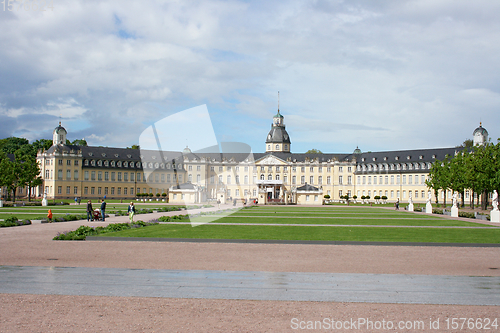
(407, 220)
(326, 216)
(367, 234)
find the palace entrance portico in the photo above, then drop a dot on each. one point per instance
(271, 191)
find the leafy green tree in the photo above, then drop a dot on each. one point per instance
(43, 144)
(458, 173)
(314, 151)
(79, 142)
(10, 145)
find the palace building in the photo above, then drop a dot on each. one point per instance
(275, 176)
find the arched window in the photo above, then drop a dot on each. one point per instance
(262, 177)
(277, 177)
(277, 147)
(269, 177)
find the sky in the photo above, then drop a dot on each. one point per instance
(381, 75)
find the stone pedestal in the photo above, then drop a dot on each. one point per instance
(428, 208)
(454, 211)
(410, 207)
(45, 202)
(1, 203)
(495, 216)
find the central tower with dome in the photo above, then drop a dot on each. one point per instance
(278, 140)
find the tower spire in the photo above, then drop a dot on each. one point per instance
(278, 102)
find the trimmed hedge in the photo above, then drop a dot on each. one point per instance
(82, 232)
(13, 221)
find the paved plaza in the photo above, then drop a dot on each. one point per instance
(63, 286)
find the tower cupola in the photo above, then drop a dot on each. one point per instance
(480, 135)
(59, 135)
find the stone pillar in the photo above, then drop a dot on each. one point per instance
(454, 211)
(495, 216)
(1, 203)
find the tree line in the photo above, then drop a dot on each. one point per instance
(475, 169)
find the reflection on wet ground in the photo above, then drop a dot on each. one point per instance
(286, 286)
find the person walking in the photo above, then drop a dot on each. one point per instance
(49, 216)
(103, 210)
(131, 212)
(90, 211)
(397, 204)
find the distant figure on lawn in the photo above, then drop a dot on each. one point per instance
(49, 216)
(90, 211)
(131, 212)
(397, 204)
(103, 209)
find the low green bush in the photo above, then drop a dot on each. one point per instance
(82, 232)
(13, 221)
(173, 218)
(467, 215)
(437, 211)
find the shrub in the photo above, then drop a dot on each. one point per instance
(384, 197)
(354, 197)
(437, 211)
(467, 215)
(377, 197)
(363, 197)
(326, 196)
(158, 195)
(164, 194)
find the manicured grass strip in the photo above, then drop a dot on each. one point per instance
(316, 233)
(344, 221)
(340, 214)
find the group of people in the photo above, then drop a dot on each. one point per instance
(90, 211)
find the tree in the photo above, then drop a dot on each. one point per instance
(42, 144)
(468, 143)
(79, 142)
(10, 145)
(314, 151)
(458, 173)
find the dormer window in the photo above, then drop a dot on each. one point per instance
(103, 154)
(129, 156)
(116, 155)
(433, 156)
(396, 158)
(91, 154)
(408, 157)
(385, 158)
(374, 159)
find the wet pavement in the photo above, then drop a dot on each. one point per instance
(285, 286)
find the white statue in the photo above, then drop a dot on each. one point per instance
(428, 205)
(410, 204)
(455, 200)
(495, 201)
(44, 200)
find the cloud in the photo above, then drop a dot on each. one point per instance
(384, 75)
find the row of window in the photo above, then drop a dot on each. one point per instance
(393, 194)
(392, 180)
(278, 168)
(393, 167)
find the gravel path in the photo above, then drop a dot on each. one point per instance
(32, 246)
